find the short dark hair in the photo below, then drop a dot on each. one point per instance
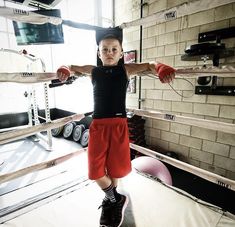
(106, 33)
(110, 36)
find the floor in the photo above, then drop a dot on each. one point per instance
(161, 205)
(26, 152)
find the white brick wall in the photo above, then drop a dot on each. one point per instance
(154, 94)
(203, 133)
(206, 109)
(148, 103)
(149, 42)
(180, 129)
(232, 153)
(163, 125)
(152, 132)
(213, 168)
(216, 99)
(169, 136)
(184, 107)
(190, 142)
(157, 6)
(170, 95)
(188, 34)
(226, 138)
(201, 156)
(170, 50)
(166, 42)
(181, 150)
(160, 143)
(215, 148)
(227, 112)
(224, 12)
(225, 163)
(201, 18)
(173, 25)
(162, 105)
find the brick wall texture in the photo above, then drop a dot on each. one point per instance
(165, 42)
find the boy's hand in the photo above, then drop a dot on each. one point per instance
(63, 73)
(165, 73)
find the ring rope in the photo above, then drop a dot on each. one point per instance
(28, 16)
(9, 136)
(212, 177)
(27, 77)
(28, 56)
(24, 53)
(33, 77)
(191, 72)
(39, 166)
(185, 9)
(203, 123)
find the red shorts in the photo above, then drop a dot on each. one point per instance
(108, 148)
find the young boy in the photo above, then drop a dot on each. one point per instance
(108, 148)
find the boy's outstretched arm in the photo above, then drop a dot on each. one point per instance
(165, 73)
(64, 72)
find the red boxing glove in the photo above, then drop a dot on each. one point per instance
(163, 70)
(63, 70)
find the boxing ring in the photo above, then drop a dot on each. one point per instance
(55, 190)
(70, 204)
(62, 194)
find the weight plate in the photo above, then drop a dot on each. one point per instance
(77, 132)
(57, 131)
(83, 127)
(84, 138)
(68, 129)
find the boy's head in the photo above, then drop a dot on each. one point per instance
(109, 41)
(110, 51)
(104, 33)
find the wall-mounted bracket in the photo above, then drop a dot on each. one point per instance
(216, 35)
(214, 89)
(212, 51)
(219, 90)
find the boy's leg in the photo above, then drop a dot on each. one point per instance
(113, 205)
(109, 186)
(115, 181)
(106, 184)
(103, 182)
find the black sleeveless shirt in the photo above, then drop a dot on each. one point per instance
(109, 91)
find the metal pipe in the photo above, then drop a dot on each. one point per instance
(140, 49)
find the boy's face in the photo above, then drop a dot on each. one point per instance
(110, 51)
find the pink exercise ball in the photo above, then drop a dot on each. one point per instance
(153, 167)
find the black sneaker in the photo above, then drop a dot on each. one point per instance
(105, 213)
(117, 211)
